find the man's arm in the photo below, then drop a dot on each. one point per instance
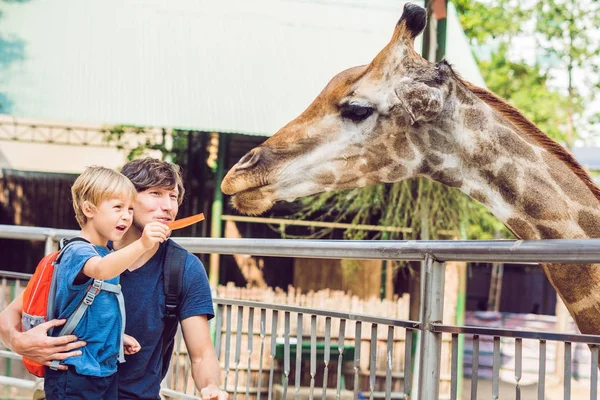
(35, 344)
(205, 366)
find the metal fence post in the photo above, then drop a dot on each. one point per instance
(50, 245)
(431, 342)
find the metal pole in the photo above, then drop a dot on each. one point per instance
(431, 342)
(50, 245)
(217, 210)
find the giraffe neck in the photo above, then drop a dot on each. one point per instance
(524, 184)
(532, 191)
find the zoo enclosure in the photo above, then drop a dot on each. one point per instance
(420, 374)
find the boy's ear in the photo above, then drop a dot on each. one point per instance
(88, 209)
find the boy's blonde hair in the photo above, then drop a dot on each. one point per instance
(97, 184)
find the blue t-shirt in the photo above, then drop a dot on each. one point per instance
(100, 326)
(141, 375)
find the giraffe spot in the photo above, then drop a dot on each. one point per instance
(587, 319)
(325, 178)
(449, 177)
(463, 96)
(402, 147)
(439, 142)
(416, 139)
(396, 173)
(424, 168)
(377, 162)
(479, 196)
(542, 206)
(434, 159)
(506, 181)
(590, 223)
(513, 144)
(484, 155)
(572, 290)
(521, 228)
(474, 119)
(541, 200)
(548, 233)
(571, 185)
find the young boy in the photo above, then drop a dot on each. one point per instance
(103, 203)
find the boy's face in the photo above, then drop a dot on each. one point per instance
(113, 217)
(155, 204)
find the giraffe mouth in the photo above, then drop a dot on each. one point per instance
(254, 200)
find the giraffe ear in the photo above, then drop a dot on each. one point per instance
(420, 101)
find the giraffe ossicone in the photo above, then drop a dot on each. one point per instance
(402, 116)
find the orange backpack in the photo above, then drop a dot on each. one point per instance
(39, 296)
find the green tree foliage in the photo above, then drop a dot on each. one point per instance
(567, 31)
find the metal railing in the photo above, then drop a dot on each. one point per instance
(425, 382)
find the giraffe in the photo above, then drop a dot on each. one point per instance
(402, 116)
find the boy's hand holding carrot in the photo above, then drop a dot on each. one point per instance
(154, 232)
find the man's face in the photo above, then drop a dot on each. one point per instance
(155, 204)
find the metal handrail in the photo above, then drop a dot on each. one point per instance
(557, 251)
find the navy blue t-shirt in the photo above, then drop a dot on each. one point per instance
(140, 376)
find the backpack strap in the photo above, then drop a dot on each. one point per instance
(173, 264)
(96, 287)
(62, 246)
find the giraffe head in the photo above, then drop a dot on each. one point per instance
(355, 133)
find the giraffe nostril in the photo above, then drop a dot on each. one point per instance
(249, 160)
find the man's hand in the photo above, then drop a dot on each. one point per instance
(212, 392)
(130, 345)
(36, 345)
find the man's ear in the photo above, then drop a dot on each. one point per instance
(421, 101)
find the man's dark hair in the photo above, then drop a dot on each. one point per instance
(150, 172)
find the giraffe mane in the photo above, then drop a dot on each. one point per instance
(521, 122)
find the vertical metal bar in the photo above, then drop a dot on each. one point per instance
(326, 356)
(342, 335)
(388, 366)
(218, 329)
(518, 366)
(298, 355)
(431, 342)
(250, 333)
(408, 336)
(594, 374)
(313, 355)
(475, 368)
(286, 353)
(454, 368)
(178, 337)
(263, 333)
(238, 348)
(567, 376)
(227, 344)
(274, 318)
(357, 340)
(50, 245)
(373, 361)
(542, 371)
(496, 369)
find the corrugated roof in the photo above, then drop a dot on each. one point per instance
(229, 65)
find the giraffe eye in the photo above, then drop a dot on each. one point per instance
(356, 112)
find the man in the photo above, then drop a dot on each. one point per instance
(160, 192)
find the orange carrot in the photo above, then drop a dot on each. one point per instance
(183, 222)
